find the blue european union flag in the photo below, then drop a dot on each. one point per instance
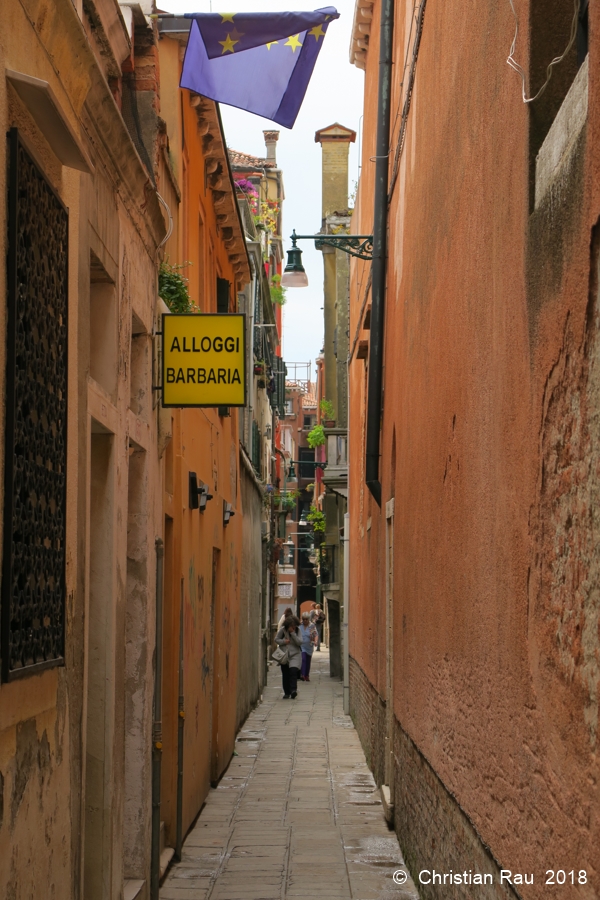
(261, 62)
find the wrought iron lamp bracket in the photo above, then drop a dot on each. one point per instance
(359, 245)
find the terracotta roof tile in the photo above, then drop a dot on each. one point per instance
(246, 161)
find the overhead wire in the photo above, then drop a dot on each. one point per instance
(407, 96)
(511, 61)
(413, 19)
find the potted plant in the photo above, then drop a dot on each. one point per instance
(173, 287)
(259, 367)
(328, 413)
(285, 500)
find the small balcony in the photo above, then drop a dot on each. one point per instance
(335, 476)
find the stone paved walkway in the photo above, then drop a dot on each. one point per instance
(297, 814)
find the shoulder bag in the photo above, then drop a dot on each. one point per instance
(280, 656)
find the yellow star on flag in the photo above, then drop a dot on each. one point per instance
(270, 44)
(228, 45)
(227, 17)
(236, 35)
(317, 31)
(293, 42)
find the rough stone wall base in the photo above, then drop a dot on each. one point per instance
(368, 713)
(433, 830)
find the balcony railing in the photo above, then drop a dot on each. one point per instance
(335, 475)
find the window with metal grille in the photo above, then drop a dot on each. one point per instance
(33, 567)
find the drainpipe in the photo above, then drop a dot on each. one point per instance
(157, 726)
(180, 723)
(346, 630)
(374, 408)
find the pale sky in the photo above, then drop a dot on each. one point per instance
(335, 94)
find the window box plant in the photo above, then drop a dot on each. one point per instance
(285, 500)
(328, 413)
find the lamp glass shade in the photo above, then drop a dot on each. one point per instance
(294, 274)
(294, 279)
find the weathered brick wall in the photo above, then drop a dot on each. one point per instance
(368, 713)
(335, 177)
(433, 831)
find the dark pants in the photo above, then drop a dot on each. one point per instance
(289, 677)
(306, 661)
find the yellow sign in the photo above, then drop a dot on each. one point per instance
(204, 359)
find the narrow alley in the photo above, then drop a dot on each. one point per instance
(300, 343)
(297, 814)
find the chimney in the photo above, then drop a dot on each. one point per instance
(271, 138)
(335, 142)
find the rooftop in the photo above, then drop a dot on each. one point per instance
(247, 161)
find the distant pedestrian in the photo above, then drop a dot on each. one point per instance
(319, 622)
(289, 612)
(313, 612)
(308, 634)
(288, 639)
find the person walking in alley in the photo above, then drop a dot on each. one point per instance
(287, 613)
(288, 639)
(309, 636)
(319, 621)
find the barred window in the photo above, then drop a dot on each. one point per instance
(33, 573)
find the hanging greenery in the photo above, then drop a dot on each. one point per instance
(173, 288)
(317, 519)
(278, 293)
(316, 437)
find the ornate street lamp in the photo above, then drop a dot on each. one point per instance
(294, 274)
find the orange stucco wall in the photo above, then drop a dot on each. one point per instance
(202, 556)
(489, 446)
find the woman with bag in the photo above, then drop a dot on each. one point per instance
(288, 640)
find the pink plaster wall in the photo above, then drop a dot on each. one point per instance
(489, 445)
